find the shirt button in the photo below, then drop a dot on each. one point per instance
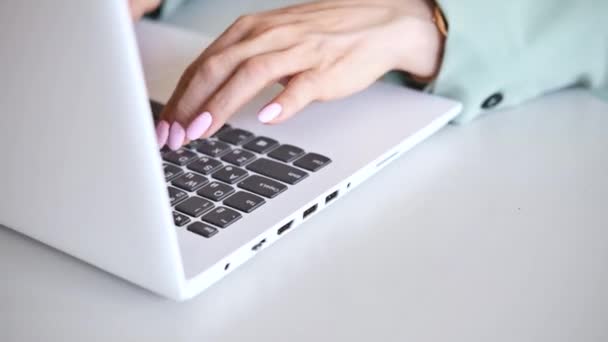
(492, 101)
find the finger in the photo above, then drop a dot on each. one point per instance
(252, 77)
(234, 33)
(216, 70)
(333, 82)
(201, 81)
(179, 133)
(301, 90)
(238, 30)
(162, 133)
(248, 36)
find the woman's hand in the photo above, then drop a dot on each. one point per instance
(140, 7)
(320, 51)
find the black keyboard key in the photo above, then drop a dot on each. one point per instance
(194, 144)
(262, 186)
(222, 217)
(213, 148)
(216, 191)
(312, 162)
(239, 157)
(172, 172)
(222, 130)
(194, 206)
(236, 136)
(244, 201)
(278, 171)
(176, 195)
(261, 145)
(230, 174)
(205, 165)
(190, 181)
(180, 157)
(179, 219)
(202, 229)
(286, 153)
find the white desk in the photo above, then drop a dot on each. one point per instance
(494, 231)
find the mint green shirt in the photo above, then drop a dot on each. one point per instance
(168, 6)
(517, 50)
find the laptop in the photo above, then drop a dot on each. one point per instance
(82, 171)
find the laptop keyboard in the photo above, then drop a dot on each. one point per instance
(215, 182)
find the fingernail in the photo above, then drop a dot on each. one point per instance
(176, 136)
(162, 133)
(199, 126)
(270, 112)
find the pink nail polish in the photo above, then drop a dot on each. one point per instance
(199, 126)
(176, 136)
(162, 133)
(270, 112)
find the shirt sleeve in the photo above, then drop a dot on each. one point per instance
(502, 53)
(166, 8)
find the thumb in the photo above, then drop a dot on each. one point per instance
(299, 92)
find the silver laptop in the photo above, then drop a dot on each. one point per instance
(81, 170)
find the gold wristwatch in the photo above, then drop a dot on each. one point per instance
(439, 20)
(442, 26)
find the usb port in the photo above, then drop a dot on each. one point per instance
(258, 245)
(310, 211)
(331, 197)
(284, 228)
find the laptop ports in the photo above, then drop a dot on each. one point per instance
(309, 211)
(258, 245)
(331, 197)
(284, 228)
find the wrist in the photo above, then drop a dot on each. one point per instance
(423, 51)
